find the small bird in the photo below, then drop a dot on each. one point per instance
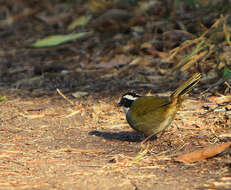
(151, 115)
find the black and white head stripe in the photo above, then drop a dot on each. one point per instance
(131, 96)
(128, 98)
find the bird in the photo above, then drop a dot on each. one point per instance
(151, 115)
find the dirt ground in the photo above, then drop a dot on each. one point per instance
(47, 143)
(50, 141)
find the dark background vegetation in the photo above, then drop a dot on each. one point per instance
(134, 41)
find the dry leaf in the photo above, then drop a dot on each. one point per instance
(79, 94)
(202, 154)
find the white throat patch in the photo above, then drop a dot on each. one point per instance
(126, 110)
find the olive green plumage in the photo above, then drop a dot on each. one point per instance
(153, 114)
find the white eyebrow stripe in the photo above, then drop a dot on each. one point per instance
(130, 97)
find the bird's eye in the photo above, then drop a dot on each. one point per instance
(127, 102)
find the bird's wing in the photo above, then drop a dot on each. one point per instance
(148, 104)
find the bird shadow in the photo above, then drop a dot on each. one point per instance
(122, 136)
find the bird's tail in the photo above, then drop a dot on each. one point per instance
(187, 86)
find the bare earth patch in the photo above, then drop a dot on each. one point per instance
(46, 143)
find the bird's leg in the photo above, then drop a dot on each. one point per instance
(150, 136)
